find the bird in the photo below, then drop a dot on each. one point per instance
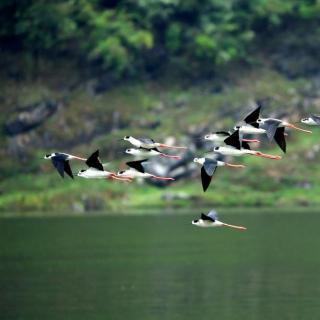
(137, 170)
(150, 153)
(211, 220)
(220, 136)
(209, 167)
(147, 143)
(234, 147)
(96, 170)
(313, 120)
(92, 173)
(272, 132)
(61, 162)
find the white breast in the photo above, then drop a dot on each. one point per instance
(230, 151)
(251, 130)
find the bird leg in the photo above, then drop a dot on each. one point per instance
(78, 158)
(161, 145)
(234, 165)
(289, 125)
(115, 177)
(169, 156)
(267, 156)
(162, 178)
(251, 140)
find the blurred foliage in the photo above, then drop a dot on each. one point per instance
(130, 36)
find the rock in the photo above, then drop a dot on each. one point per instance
(30, 117)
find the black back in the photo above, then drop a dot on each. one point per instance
(205, 217)
(94, 162)
(138, 165)
(62, 166)
(253, 116)
(280, 139)
(233, 140)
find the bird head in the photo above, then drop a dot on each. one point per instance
(237, 128)
(126, 138)
(216, 149)
(121, 173)
(132, 151)
(81, 173)
(209, 136)
(49, 156)
(195, 222)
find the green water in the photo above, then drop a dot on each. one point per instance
(160, 267)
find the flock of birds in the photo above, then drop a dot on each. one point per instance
(230, 144)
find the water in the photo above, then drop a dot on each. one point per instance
(160, 267)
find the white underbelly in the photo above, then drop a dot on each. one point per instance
(251, 130)
(228, 151)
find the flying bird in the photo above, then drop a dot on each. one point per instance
(147, 143)
(61, 162)
(209, 167)
(234, 147)
(92, 173)
(150, 153)
(220, 136)
(137, 170)
(313, 120)
(211, 220)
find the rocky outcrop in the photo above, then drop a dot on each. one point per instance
(29, 117)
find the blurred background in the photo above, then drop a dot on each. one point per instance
(79, 75)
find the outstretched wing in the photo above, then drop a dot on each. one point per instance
(233, 140)
(280, 139)
(271, 126)
(138, 165)
(213, 214)
(207, 171)
(67, 169)
(315, 118)
(253, 116)
(59, 165)
(94, 162)
(245, 145)
(207, 217)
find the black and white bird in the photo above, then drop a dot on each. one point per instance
(235, 147)
(147, 143)
(61, 162)
(96, 170)
(271, 131)
(209, 167)
(211, 220)
(150, 153)
(137, 170)
(313, 120)
(220, 136)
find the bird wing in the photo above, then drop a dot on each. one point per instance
(245, 145)
(206, 175)
(67, 168)
(280, 139)
(315, 118)
(207, 217)
(138, 165)
(146, 140)
(94, 162)
(59, 165)
(271, 126)
(213, 214)
(233, 140)
(253, 116)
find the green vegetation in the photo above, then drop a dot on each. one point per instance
(135, 36)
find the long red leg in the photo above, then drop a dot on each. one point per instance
(267, 156)
(170, 156)
(162, 178)
(297, 128)
(235, 227)
(161, 145)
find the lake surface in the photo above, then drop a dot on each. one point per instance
(160, 267)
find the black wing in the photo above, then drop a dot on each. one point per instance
(205, 217)
(59, 165)
(253, 116)
(271, 126)
(67, 169)
(206, 178)
(94, 162)
(245, 145)
(234, 140)
(138, 165)
(280, 139)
